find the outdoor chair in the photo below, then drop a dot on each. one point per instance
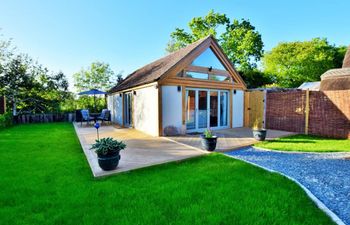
(86, 116)
(105, 116)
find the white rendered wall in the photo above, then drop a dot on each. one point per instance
(115, 105)
(145, 110)
(172, 107)
(237, 108)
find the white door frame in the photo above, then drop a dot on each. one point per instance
(219, 91)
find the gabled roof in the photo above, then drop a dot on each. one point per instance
(153, 71)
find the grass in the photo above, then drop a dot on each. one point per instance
(306, 143)
(45, 179)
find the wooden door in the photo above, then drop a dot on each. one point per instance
(254, 104)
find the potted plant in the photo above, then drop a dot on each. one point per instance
(208, 140)
(107, 150)
(259, 133)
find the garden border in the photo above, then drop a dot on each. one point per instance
(318, 202)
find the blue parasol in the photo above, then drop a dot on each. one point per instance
(93, 92)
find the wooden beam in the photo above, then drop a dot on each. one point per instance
(183, 90)
(202, 69)
(307, 111)
(231, 105)
(191, 82)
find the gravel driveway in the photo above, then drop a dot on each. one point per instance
(326, 175)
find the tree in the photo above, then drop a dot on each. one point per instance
(98, 75)
(29, 86)
(256, 78)
(16, 79)
(292, 63)
(240, 41)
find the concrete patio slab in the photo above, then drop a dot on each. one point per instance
(229, 138)
(142, 150)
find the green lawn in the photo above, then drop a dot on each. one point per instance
(306, 143)
(45, 179)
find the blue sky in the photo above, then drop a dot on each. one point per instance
(68, 35)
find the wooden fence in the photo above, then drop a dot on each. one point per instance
(324, 113)
(254, 108)
(45, 118)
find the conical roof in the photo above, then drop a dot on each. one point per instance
(337, 79)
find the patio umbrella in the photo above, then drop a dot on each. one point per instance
(93, 92)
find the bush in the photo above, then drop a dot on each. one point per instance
(6, 120)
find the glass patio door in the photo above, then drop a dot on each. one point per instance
(127, 109)
(206, 108)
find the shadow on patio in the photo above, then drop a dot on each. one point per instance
(229, 138)
(142, 150)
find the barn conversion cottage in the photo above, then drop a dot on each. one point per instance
(186, 91)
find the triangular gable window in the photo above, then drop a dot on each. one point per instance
(208, 59)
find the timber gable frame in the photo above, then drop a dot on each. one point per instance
(164, 71)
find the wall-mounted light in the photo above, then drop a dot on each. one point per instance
(178, 88)
(120, 94)
(134, 92)
(234, 92)
(156, 86)
(210, 69)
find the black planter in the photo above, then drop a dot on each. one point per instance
(109, 161)
(208, 144)
(259, 135)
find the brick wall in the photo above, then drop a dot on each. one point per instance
(329, 112)
(2, 105)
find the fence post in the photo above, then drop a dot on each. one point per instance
(307, 111)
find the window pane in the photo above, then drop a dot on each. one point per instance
(213, 109)
(197, 75)
(208, 59)
(223, 108)
(202, 109)
(190, 110)
(219, 78)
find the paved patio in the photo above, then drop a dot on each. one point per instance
(142, 150)
(229, 138)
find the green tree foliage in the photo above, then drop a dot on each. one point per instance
(98, 75)
(239, 39)
(255, 78)
(28, 86)
(292, 63)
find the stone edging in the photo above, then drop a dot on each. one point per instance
(298, 152)
(318, 202)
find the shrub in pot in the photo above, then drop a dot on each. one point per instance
(208, 140)
(107, 150)
(259, 133)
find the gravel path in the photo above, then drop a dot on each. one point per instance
(326, 175)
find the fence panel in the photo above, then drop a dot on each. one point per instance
(329, 112)
(286, 111)
(45, 118)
